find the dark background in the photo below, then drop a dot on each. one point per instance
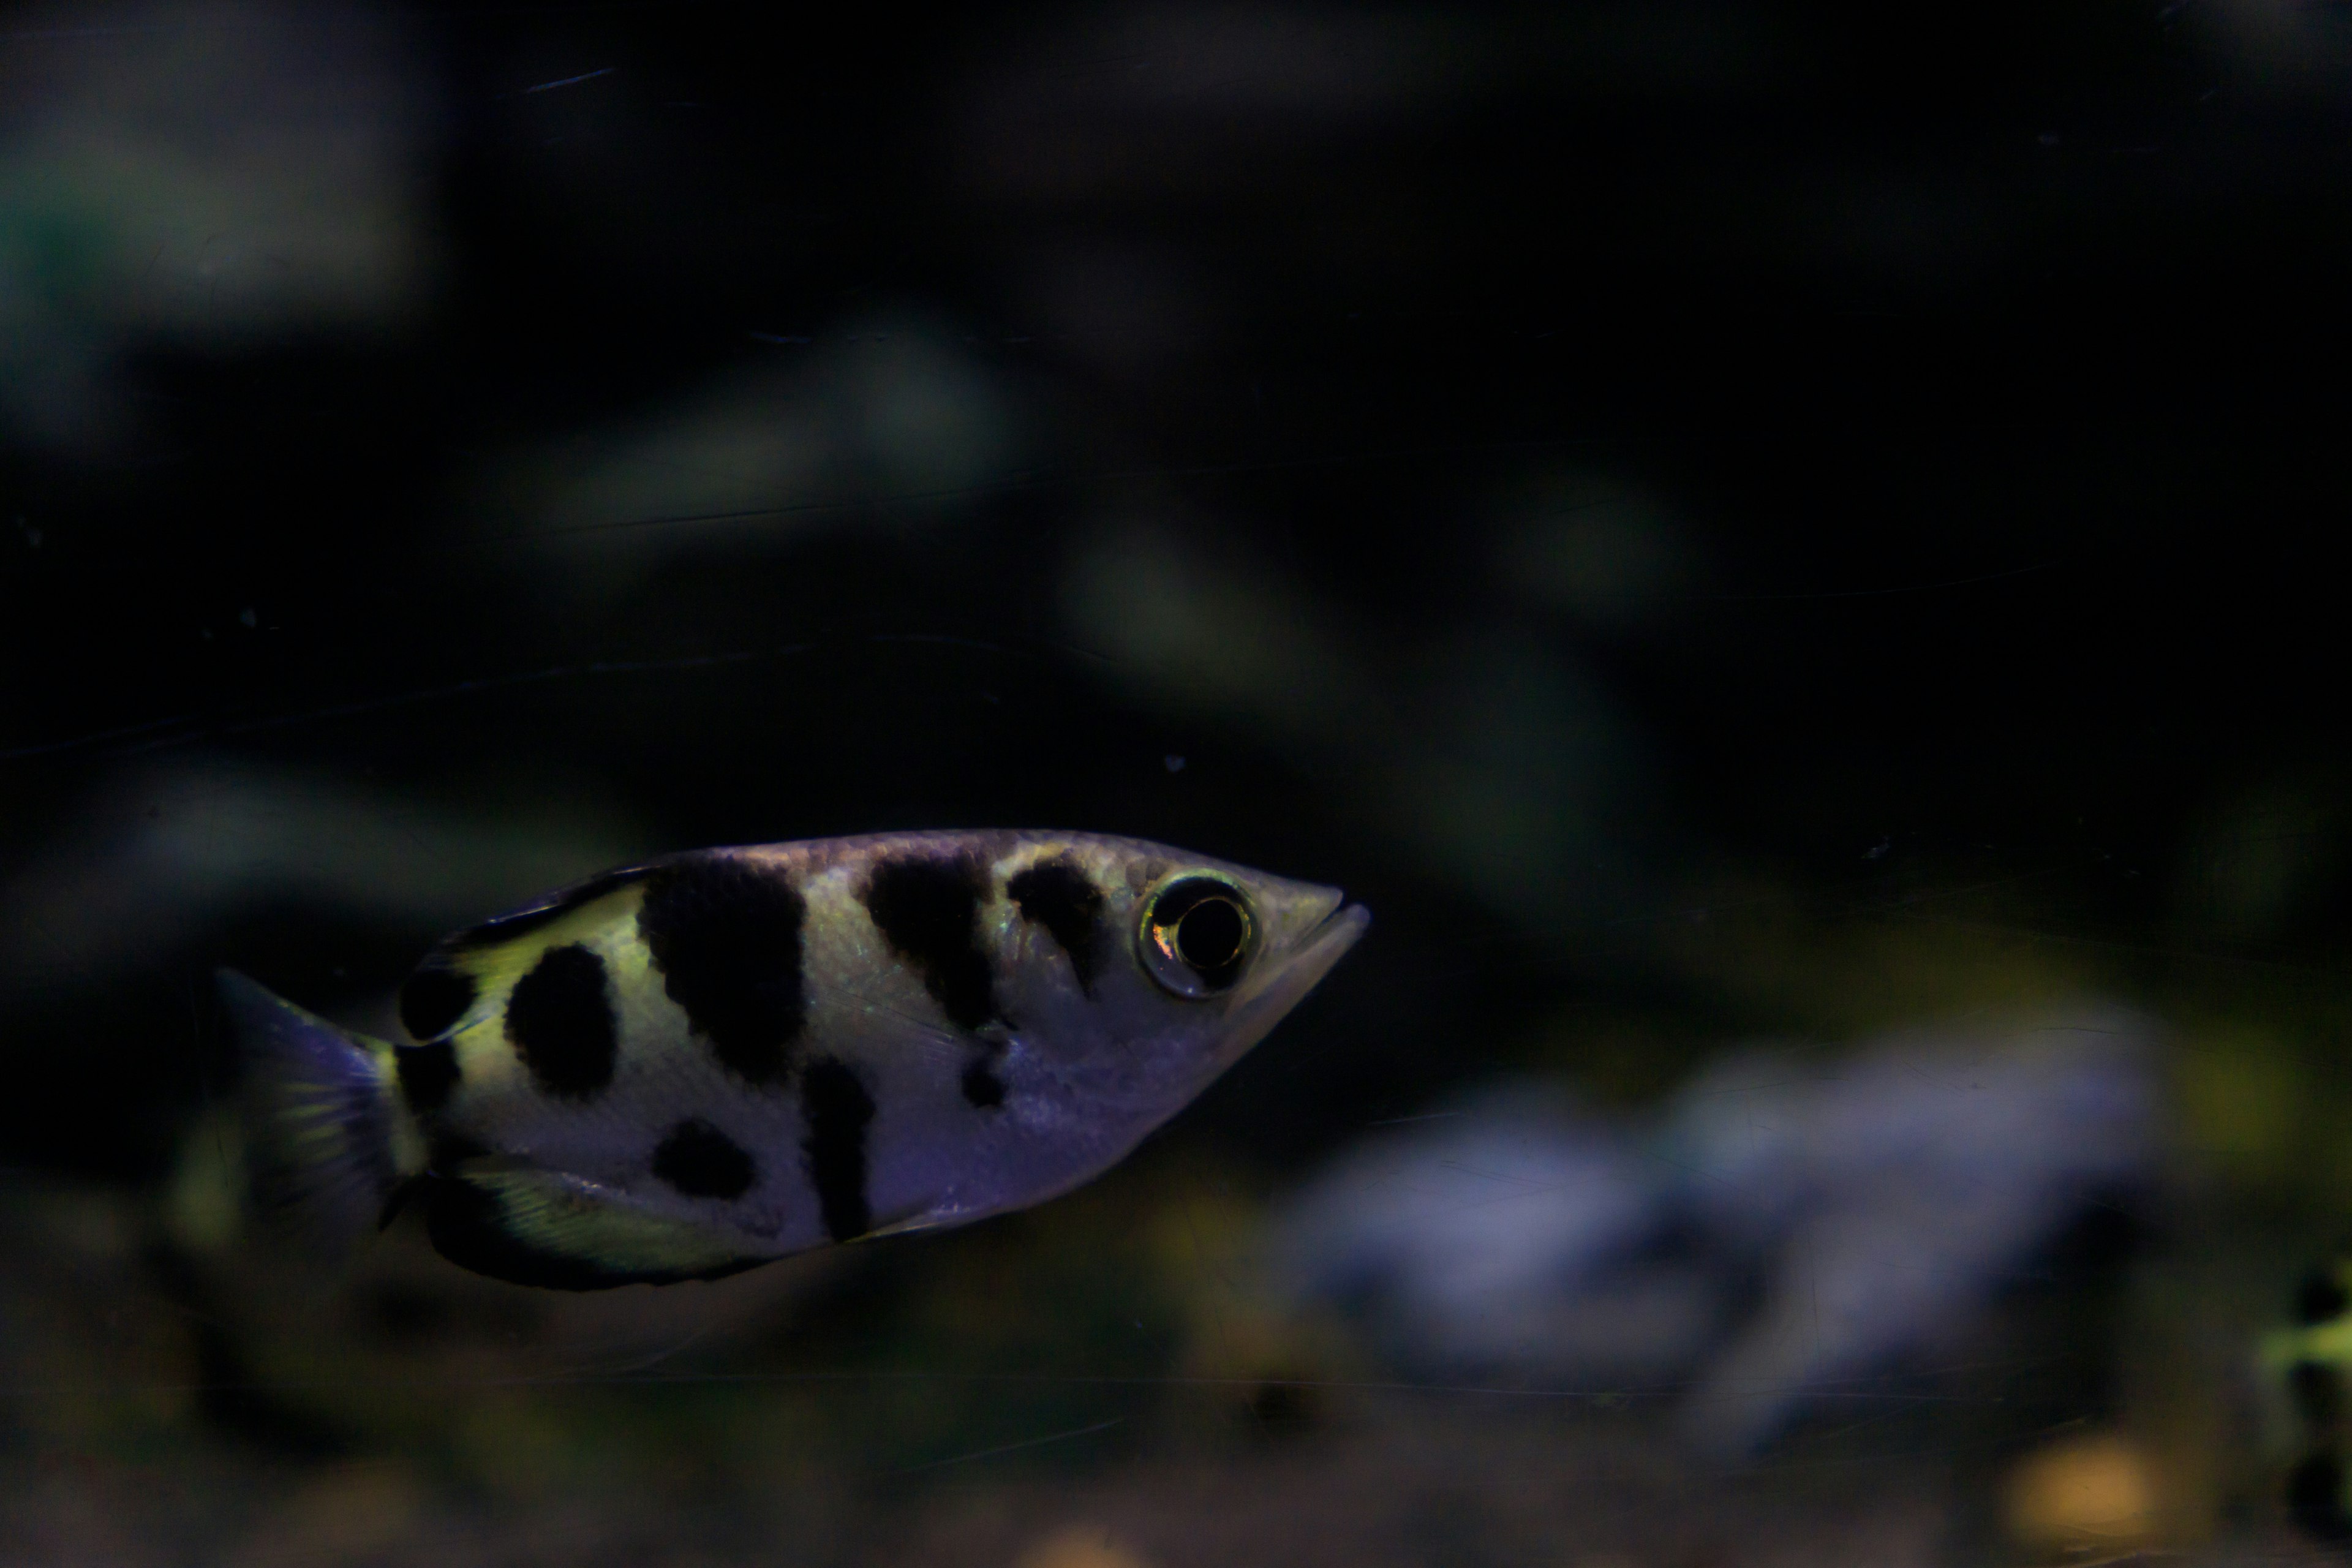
(1985, 368)
(1670, 504)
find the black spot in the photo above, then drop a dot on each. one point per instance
(428, 1073)
(2315, 1497)
(559, 1018)
(433, 999)
(2320, 1298)
(701, 1161)
(1057, 895)
(837, 1108)
(726, 935)
(552, 907)
(982, 1087)
(929, 912)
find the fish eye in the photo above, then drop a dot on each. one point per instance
(1196, 935)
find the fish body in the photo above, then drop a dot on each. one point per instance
(693, 1066)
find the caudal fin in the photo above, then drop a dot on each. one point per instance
(324, 1128)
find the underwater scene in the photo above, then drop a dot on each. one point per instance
(1175, 783)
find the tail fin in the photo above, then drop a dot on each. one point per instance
(327, 1144)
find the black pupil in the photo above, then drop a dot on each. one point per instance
(1210, 934)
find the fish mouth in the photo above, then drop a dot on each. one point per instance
(1294, 973)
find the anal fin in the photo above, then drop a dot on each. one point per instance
(541, 1228)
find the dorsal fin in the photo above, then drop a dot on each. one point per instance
(543, 911)
(444, 991)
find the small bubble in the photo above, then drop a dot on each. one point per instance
(1175, 761)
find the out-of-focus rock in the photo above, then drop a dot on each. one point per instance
(1079, 1546)
(2088, 1496)
(1892, 1195)
(1513, 1232)
(1873, 1205)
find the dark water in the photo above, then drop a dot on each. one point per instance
(1720, 522)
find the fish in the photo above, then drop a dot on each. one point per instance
(696, 1064)
(2307, 1363)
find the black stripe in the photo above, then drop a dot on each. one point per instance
(428, 1075)
(981, 1088)
(928, 910)
(837, 1110)
(1058, 895)
(560, 1018)
(433, 998)
(701, 1161)
(726, 935)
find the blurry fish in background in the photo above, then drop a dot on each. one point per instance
(212, 176)
(687, 1067)
(1491, 750)
(861, 418)
(2302, 1370)
(156, 860)
(1788, 1224)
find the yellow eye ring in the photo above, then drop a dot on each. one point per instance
(1197, 935)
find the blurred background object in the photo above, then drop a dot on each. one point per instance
(1722, 521)
(1792, 1230)
(241, 175)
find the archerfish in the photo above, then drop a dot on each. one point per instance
(691, 1067)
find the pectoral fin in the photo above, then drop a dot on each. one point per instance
(541, 1228)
